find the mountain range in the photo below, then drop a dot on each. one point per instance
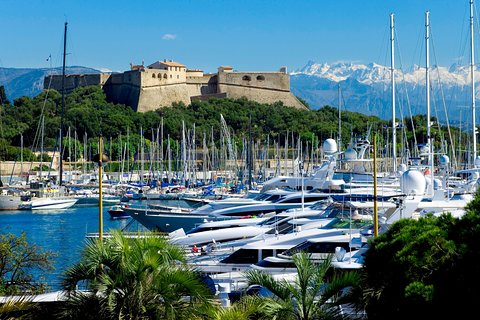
(20, 82)
(364, 88)
(367, 88)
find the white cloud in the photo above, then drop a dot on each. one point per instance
(169, 36)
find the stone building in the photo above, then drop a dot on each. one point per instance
(163, 83)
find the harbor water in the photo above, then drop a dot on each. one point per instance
(62, 232)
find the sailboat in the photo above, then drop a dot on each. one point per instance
(48, 195)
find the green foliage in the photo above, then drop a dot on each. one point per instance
(310, 296)
(18, 260)
(88, 115)
(418, 268)
(134, 278)
(3, 96)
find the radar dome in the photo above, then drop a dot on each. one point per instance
(330, 146)
(350, 154)
(444, 160)
(413, 182)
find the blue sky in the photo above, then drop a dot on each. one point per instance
(258, 35)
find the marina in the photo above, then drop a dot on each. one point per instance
(176, 191)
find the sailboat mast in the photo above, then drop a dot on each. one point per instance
(472, 74)
(392, 70)
(427, 88)
(63, 105)
(339, 119)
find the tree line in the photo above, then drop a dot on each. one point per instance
(31, 123)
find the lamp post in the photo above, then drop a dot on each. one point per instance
(100, 158)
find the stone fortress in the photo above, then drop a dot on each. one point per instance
(166, 82)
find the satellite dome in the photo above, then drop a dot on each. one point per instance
(330, 146)
(412, 182)
(402, 168)
(437, 184)
(350, 154)
(444, 160)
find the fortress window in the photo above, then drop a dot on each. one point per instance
(178, 77)
(159, 76)
(170, 76)
(246, 78)
(153, 75)
(165, 76)
(260, 78)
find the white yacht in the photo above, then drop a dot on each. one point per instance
(236, 229)
(47, 197)
(234, 256)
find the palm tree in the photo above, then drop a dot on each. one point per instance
(248, 307)
(134, 278)
(309, 296)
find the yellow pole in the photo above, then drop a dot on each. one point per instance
(100, 206)
(375, 208)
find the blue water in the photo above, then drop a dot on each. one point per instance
(60, 231)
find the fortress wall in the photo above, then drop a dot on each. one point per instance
(116, 78)
(194, 74)
(152, 98)
(74, 80)
(122, 93)
(123, 88)
(262, 95)
(206, 84)
(268, 80)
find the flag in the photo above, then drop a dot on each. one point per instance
(49, 57)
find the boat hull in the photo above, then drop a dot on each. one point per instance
(11, 203)
(50, 203)
(163, 221)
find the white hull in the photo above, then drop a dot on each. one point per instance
(9, 203)
(52, 203)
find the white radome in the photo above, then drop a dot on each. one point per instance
(413, 182)
(330, 146)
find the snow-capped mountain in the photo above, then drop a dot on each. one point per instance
(366, 88)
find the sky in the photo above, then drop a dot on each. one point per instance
(248, 35)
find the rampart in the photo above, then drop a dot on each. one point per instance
(166, 82)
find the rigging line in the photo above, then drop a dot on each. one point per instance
(412, 123)
(397, 89)
(443, 103)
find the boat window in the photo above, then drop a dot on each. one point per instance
(282, 229)
(242, 256)
(271, 220)
(202, 229)
(278, 199)
(270, 264)
(316, 247)
(306, 199)
(263, 196)
(349, 223)
(267, 253)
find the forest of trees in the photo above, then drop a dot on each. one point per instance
(88, 115)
